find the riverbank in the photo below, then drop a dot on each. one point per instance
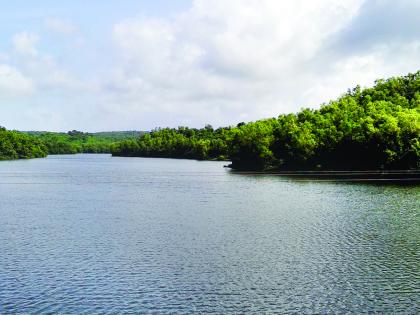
(372, 175)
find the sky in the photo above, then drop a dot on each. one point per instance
(136, 65)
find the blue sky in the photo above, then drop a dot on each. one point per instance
(91, 20)
(119, 65)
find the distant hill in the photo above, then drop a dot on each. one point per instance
(118, 135)
(75, 141)
(101, 134)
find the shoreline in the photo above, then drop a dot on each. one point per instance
(365, 175)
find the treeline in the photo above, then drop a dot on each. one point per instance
(16, 145)
(75, 141)
(373, 128)
(200, 144)
(34, 144)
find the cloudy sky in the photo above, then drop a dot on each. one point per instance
(137, 64)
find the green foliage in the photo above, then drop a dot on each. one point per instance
(15, 145)
(79, 142)
(249, 144)
(374, 128)
(117, 135)
(201, 144)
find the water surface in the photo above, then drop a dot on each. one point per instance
(94, 234)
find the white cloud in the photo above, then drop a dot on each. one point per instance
(363, 69)
(218, 62)
(60, 26)
(49, 75)
(260, 38)
(13, 84)
(25, 42)
(221, 61)
(43, 68)
(4, 57)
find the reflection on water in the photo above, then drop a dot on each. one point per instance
(95, 234)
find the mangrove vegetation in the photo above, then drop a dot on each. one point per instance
(16, 145)
(35, 144)
(364, 129)
(374, 128)
(75, 141)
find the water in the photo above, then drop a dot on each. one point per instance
(92, 234)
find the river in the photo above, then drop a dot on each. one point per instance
(95, 234)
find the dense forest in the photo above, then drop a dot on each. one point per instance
(16, 145)
(80, 142)
(34, 144)
(201, 144)
(372, 128)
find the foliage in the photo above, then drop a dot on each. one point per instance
(201, 144)
(374, 128)
(79, 142)
(16, 145)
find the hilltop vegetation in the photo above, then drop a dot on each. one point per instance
(15, 145)
(117, 135)
(373, 128)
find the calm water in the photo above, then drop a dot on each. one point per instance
(95, 234)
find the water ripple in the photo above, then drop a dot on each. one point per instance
(109, 235)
